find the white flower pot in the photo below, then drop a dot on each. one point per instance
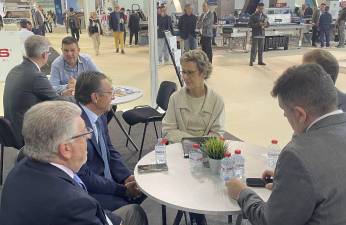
(215, 165)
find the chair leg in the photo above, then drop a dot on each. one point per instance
(141, 149)
(157, 136)
(2, 164)
(185, 217)
(127, 140)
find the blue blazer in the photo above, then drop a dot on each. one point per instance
(92, 172)
(38, 193)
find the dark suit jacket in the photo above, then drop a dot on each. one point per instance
(341, 100)
(92, 173)
(134, 20)
(255, 23)
(309, 180)
(38, 19)
(37, 193)
(25, 86)
(114, 21)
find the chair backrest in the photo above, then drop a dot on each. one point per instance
(7, 137)
(167, 88)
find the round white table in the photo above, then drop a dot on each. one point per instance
(205, 193)
(125, 94)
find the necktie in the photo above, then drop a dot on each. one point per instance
(103, 148)
(79, 182)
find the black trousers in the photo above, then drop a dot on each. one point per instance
(315, 35)
(136, 37)
(75, 34)
(206, 47)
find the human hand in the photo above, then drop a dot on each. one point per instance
(68, 92)
(132, 189)
(129, 179)
(268, 174)
(71, 83)
(234, 187)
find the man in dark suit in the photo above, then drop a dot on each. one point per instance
(134, 26)
(309, 179)
(330, 64)
(44, 187)
(105, 174)
(26, 85)
(39, 21)
(315, 24)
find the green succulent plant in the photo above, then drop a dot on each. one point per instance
(215, 148)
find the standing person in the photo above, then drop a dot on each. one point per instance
(205, 23)
(24, 32)
(122, 10)
(74, 24)
(258, 22)
(324, 25)
(95, 30)
(164, 23)
(341, 25)
(50, 21)
(214, 28)
(315, 24)
(134, 27)
(1, 23)
(39, 21)
(187, 27)
(117, 24)
(308, 11)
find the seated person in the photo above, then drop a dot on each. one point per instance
(44, 188)
(67, 67)
(330, 64)
(24, 32)
(195, 110)
(104, 174)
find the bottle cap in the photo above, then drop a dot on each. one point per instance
(274, 141)
(195, 146)
(164, 141)
(227, 154)
(238, 151)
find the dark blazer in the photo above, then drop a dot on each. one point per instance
(255, 23)
(25, 86)
(114, 21)
(325, 21)
(309, 180)
(38, 18)
(92, 172)
(164, 23)
(134, 20)
(187, 26)
(341, 100)
(37, 193)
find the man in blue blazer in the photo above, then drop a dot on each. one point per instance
(104, 174)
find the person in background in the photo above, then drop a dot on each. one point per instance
(39, 21)
(123, 11)
(117, 24)
(205, 23)
(1, 23)
(308, 11)
(164, 23)
(214, 27)
(50, 21)
(258, 22)
(73, 23)
(134, 27)
(315, 24)
(95, 30)
(45, 184)
(309, 173)
(340, 22)
(29, 26)
(187, 28)
(67, 67)
(330, 64)
(324, 24)
(24, 33)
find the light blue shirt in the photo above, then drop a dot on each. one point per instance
(61, 72)
(92, 118)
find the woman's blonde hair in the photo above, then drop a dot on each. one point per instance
(201, 60)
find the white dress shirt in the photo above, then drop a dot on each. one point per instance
(339, 111)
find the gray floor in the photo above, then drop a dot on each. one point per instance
(152, 208)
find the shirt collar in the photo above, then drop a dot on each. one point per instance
(38, 67)
(78, 61)
(68, 171)
(339, 111)
(93, 117)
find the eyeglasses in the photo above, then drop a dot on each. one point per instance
(188, 73)
(89, 132)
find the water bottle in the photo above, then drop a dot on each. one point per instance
(226, 170)
(239, 165)
(160, 151)
(273, 154)
(196, 158)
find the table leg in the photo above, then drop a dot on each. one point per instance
(178, 217)
(123, 129)
(164, 220)
(239, 220)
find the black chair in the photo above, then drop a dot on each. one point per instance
(146, 114)
(7, 139)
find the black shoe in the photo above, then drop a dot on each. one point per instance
(251, 64)
(262, 63)
(117, 51)
(122, 52)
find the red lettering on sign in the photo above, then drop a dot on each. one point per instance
(4, 53)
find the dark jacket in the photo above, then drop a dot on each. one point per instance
(73, 21)
(308, 12)
(94, 26)
(342, 16)
(187, 26)
(164, 23)
(37, 193)
(341, 100)
(114, 21)
(325, 21)
(134, 20)
(256, 22)
(25, 86)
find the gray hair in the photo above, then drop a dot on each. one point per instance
(201, 60)
(46, 125)
(36, 45)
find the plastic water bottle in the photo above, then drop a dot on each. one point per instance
(239, 165)
(273, 154)
(226, 170)
(196, 158)
(160, 151)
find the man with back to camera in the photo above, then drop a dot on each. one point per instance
(44, 188)
(330, 64)
(309, 179)
(105, 174)
(258, 22)
(67, 67)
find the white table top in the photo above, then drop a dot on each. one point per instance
(122, 97)
(180, 189)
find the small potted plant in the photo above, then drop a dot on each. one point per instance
(215, 149)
